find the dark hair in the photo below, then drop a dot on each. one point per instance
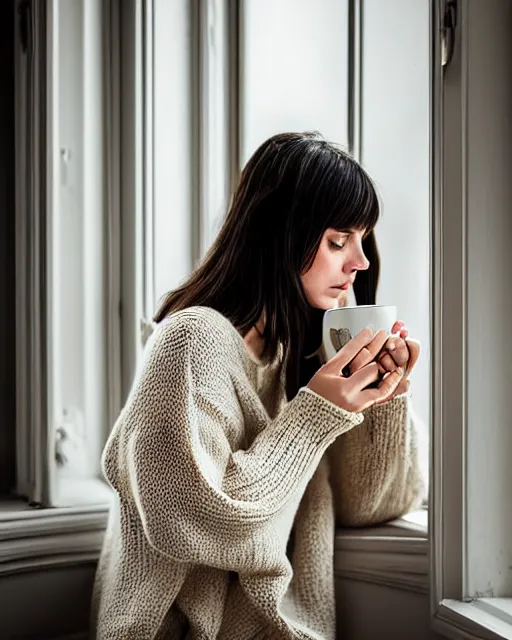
(294, 187)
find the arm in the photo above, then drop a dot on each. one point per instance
(169, 457)
(379, 471)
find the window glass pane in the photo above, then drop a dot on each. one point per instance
(172, 143)
(294, 77)
(395, 152)
(78, 260)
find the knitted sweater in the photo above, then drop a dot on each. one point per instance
(212, 468)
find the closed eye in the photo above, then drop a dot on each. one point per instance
(336, 245)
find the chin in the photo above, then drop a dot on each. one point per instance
(329, 303)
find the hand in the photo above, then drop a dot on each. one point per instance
(351, 393)
(400, 351)
(390, 353)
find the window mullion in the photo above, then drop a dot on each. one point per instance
(112, 118)
(216, 129)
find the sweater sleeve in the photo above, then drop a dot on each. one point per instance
(169, 455)
(379, 471)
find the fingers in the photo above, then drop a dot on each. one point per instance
(414, 353)
(398, 326)
(386, 389)
(403, 387)
(386, 362)
(370, 352)
(349, 351)
(365, 376)
(399, 352)
(397, 349)
(389, 384)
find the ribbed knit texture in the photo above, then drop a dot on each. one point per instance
(212, 468)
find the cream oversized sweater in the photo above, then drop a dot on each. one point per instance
(212, 468)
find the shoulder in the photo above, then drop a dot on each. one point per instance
(200, 331)
(191, 350)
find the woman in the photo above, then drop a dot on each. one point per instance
(223, 521)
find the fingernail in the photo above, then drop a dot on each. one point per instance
(392, 347)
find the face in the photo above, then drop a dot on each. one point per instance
(340, 256)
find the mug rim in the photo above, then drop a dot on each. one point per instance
(361, 306)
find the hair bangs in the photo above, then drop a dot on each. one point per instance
(353, 201)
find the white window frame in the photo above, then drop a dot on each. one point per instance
(52, 537)
(73, 533)
(469, 150)
(43, 477)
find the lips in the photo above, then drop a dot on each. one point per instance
(343, 287)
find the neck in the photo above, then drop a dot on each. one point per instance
(260, 326)
(255, 342)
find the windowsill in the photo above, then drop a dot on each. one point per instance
(489, 618)
(393, 555)
(412, 525)
(32, 538)
(79, 492)
(75, 493)
(499, 607)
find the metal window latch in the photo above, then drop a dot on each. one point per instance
(449, 21)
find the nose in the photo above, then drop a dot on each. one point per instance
(357, 262)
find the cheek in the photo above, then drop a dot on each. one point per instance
(329, 264)
(315, 275)
(319, 276)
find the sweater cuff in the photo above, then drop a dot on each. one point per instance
(330, 420)
(394, 408)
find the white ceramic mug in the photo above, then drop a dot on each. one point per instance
(344, 323)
